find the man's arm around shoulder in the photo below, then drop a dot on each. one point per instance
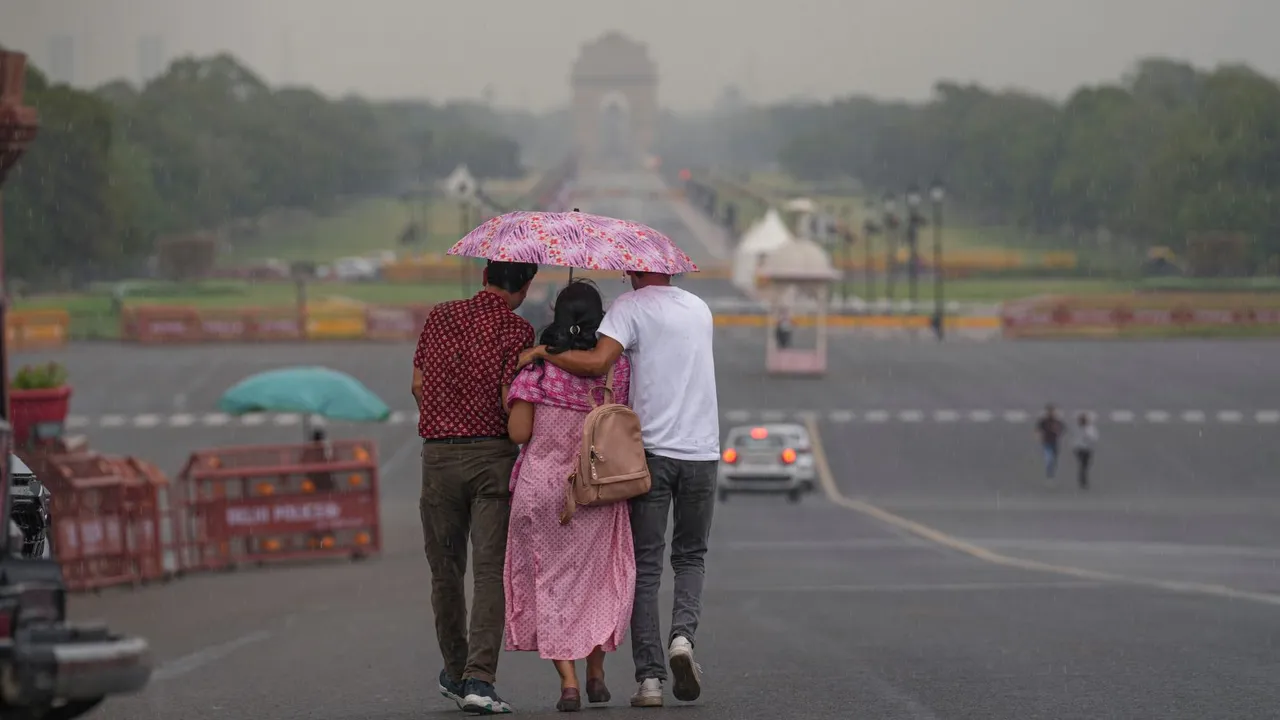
(584, 363)
(617, 333)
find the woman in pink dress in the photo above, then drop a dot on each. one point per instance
(569, 587)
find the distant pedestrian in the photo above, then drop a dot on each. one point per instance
(464, 364)
(1086, 439)
(318, 452)
(783, 329)
(1049, 429)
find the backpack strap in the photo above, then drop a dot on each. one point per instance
(570, 502)
(607, 387)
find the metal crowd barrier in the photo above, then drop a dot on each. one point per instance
(259, 504)
(111, 520)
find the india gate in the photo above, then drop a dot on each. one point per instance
(615, 104)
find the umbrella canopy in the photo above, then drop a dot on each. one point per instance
(574, 240)
(307, 391)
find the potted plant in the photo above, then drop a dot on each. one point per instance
(39, 395)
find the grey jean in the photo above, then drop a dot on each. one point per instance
(686, 487)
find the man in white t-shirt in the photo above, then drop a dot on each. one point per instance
(667, 334)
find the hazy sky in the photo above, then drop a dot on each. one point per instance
(774, 49)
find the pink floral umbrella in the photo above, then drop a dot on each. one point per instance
(574, 240)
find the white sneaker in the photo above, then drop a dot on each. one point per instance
(685, 673)
(649, 694)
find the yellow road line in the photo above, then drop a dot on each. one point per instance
(917, 322)
(832, 490)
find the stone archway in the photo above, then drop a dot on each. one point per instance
(615, 104)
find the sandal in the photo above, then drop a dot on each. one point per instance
(570, 700)
(597, 691)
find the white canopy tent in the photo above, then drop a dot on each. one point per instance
(762, 238)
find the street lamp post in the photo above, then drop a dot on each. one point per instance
(890, 245)
(844, 235)
(914, 221)
(937, 193)
(869, 230)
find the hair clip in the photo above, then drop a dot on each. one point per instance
(574, 329)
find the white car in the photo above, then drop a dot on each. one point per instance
(354, 269)
(769, 458)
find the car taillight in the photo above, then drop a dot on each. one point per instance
(788, 456)
(730, 456)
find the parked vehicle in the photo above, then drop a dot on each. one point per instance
(49, 668)
(29, 519)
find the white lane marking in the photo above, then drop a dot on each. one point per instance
(981, 416)
(1122, 416)
(1230, 416)
(216, 419)
(397, 417)
(190, 663)
(876, 416)
(827, 479)
(737, 416)
(924, 587)
(146, 421)
(113, 421)
(880, 543)
(945, 416)
(1121, 547)
(77, 421)
(1193, 416)
(1015, 416)
(1157, 416)
(842, 416)
(182, 420)
(284, 419)
(773, 416)
(803, 415)
(253, 419)
(1269, 417)
(911, 416)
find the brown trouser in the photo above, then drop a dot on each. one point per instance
(466, 491)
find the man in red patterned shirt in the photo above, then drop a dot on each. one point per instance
(466, 358)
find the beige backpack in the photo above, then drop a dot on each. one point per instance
(611, 465)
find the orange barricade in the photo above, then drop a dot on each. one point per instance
(256, 504)
(89, 520)
(110, 519)
(152, 529)
(396, 323)
(274, 325)
(153, 325)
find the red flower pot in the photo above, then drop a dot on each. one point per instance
(29, 408)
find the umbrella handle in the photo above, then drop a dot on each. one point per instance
(571, 269)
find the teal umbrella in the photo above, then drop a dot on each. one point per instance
(307, 391)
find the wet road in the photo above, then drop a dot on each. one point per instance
(1159, 602)
(936, 575)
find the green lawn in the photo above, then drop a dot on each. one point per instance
(361, 227)
(230, 294)
(982, 290)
